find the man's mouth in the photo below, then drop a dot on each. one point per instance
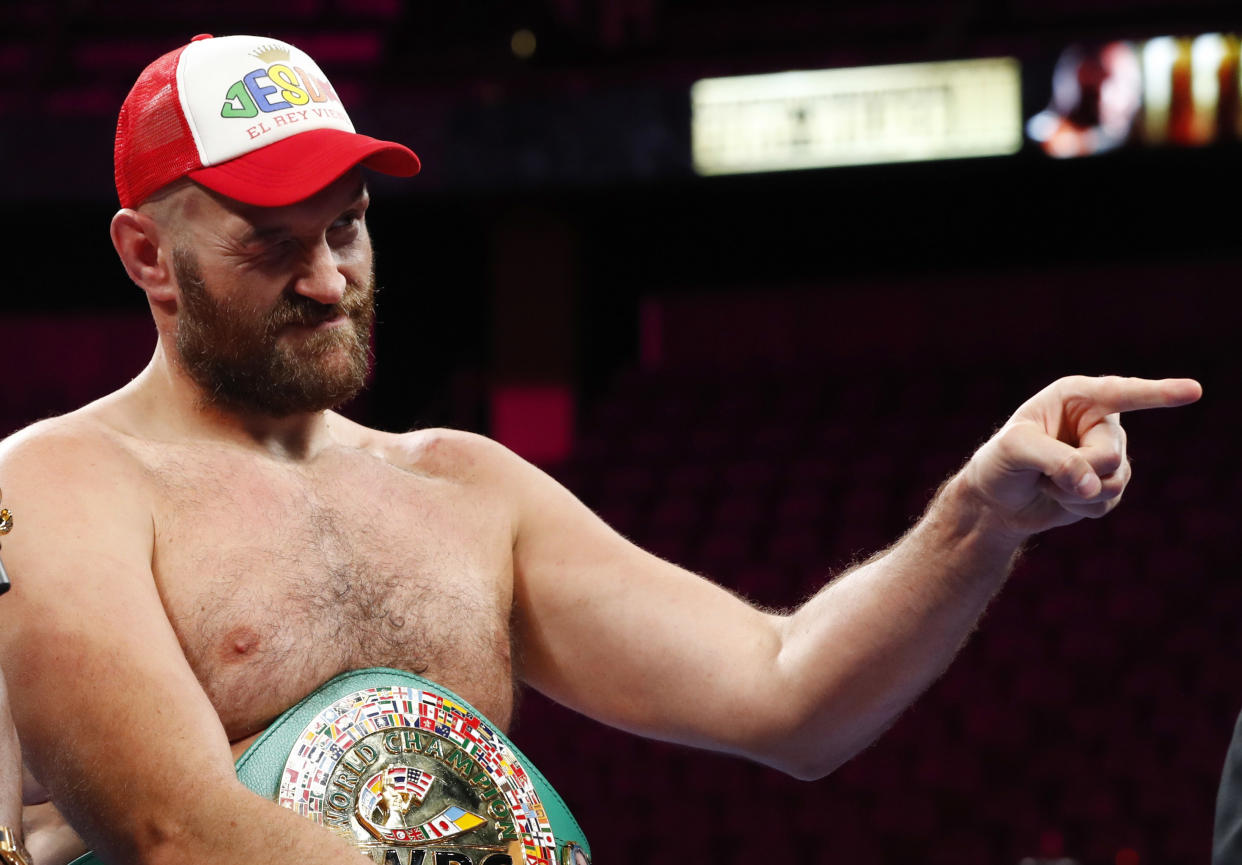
(323, 322)
(327, 323)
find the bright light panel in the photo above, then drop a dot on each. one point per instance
(866, 115)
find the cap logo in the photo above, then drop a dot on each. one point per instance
(277, 88)
(270, 53)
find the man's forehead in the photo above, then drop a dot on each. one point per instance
(203, 203)
(324, 204)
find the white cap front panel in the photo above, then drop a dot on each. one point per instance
(240, 93)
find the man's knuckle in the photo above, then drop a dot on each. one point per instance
(1070, 467)
(1108, 461)
(1011, 441)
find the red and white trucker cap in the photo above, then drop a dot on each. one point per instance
(250, 117)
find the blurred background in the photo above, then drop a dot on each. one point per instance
(754, 329)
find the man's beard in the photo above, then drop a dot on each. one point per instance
(231, 350)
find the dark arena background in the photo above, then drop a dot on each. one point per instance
(763, 376)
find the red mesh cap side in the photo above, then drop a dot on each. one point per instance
(153, 146)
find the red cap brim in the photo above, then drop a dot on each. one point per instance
(297, 167)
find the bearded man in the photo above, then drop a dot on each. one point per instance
(214, 563)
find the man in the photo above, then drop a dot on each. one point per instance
(211, 543)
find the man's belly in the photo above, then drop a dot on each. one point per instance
(239, 747)
(248, 698)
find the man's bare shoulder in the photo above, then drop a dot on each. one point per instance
(443, 453)
(81, 450)
(81, 508)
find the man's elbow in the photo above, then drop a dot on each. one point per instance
(172, 837)
(801, 746)
(162, 840)
(812, 740)
(806, 766)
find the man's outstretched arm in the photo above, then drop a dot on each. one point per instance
(639, 643)
(111, 717)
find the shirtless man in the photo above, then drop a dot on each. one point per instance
(210, 543)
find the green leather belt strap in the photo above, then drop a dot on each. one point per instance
(370, 747)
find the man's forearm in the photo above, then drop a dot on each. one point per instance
(869, 643)
(227, 825)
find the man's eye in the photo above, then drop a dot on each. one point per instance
(346, 220)
(279, 249)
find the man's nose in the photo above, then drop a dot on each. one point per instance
(321, 279)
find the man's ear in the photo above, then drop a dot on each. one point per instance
(136, 237)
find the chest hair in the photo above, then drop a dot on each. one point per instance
(276, 581)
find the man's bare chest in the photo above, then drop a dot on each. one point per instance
(277, 578)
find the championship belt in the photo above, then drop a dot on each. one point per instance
(410, 774)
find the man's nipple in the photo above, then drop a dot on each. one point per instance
(240, 643)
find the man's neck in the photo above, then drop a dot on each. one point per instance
(177, 404)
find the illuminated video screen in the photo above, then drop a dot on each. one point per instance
(1169, 91)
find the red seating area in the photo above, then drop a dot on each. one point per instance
(55, 363)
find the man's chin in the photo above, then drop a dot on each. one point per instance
(287, 403)
(331, 354)
(299, 385)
